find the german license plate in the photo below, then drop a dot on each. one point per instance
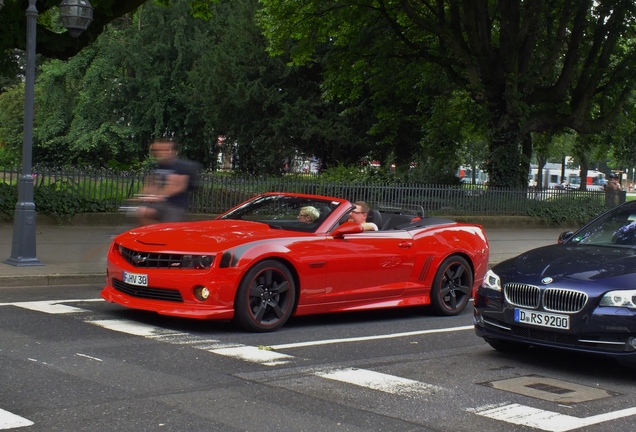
(542, 319)
(135, 279)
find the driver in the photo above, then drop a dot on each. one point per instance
(359, 215)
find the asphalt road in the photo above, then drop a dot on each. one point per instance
(71, 362)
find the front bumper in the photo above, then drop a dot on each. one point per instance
(172, 291)
(602, 331)
(202, 311)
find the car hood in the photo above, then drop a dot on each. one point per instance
(204, 236)
(574, 262)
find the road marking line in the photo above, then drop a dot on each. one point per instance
(9, 420)
(380, 381)
(547, 420)
(255, 355)
(243, 352)
(55, 301)
(369, 338)
(88, 357)
(51, 306)
(133, 328)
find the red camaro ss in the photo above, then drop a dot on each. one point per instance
(259, 263)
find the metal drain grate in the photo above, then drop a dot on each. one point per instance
(549, 388)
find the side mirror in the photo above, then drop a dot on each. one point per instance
(347, 228)
(565, 236)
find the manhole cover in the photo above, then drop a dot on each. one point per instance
(550, 389)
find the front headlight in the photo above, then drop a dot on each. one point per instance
(491, 281)
(197, 261)
(625, 299)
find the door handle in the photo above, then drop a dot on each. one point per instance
(405, 245)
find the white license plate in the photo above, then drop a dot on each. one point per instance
(542, 319)
(135, 279)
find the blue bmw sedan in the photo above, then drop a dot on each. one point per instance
(578, 294)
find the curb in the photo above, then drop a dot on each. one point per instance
(52, 279)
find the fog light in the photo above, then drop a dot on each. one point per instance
(630, 345)
(201, 293)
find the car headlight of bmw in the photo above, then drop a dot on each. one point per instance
(197, 261)
(626, 299)
(491, 281)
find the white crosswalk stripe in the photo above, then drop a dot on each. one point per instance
(11, 421)
(547, 420)
(252, 354)
(380, 381)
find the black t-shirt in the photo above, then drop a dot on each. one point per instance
(178, 167)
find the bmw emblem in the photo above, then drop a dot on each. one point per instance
(547, 280)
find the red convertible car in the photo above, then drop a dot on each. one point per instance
(260, 263)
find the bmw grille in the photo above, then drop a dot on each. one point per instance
(553, 299)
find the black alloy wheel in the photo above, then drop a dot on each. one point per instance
(452, 287)
(265, 299)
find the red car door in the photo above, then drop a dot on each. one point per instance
(369, 265)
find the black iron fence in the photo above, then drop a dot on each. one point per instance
(218, 192)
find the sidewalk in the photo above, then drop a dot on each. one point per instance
(76, 254)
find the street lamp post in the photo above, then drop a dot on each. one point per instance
(76, 16)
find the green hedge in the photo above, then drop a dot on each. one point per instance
(50, 200)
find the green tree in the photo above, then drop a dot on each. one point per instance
(53, 41)
(163, 72)
(103, 106)
(11, 125)
(534, 66)
(270, 110)
(621, 140)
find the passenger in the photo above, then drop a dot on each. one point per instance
(359, 215)
(308, 214)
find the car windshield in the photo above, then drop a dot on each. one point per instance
(284, 212)
(616, 228)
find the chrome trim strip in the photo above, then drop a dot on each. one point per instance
(601, 342)
(496, 325)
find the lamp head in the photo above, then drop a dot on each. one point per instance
(76, 15)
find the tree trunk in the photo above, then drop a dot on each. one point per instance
(583, 173)
(526, 156)
(504, 152)
(540, 165)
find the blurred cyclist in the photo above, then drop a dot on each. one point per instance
(165, 193)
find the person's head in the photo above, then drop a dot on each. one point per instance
(164, 150)
(308, 214)
(612, 176)
(359, 213)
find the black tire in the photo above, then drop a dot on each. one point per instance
(265, 298)
(452, 287)
(506, 346)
